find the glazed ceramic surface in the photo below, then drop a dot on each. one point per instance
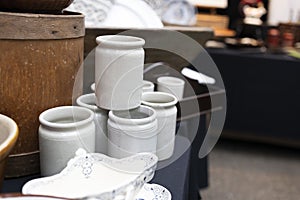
(9, 132)
(166, 112)
(119, 62)
(116, 13)
(62, 131)
(179, 13)
(132, 14)
(95, 11)
(132, 131)
(153, 192)
(148, 86)
(172, 85)
(100, 120)
(96, 175)
(8, 135)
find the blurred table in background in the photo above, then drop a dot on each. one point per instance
(263, 95)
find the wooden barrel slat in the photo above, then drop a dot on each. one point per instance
(24, 26)
(35, 74)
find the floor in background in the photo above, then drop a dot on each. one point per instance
(251, 171)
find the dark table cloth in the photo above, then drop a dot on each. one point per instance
(263, 93)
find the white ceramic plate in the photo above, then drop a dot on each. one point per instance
(132, 14)
(153, 192)
(97, 175)
(116, 13)
(179, 13)
(95, 11)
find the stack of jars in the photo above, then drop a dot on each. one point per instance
(123, 117)
(139, 120)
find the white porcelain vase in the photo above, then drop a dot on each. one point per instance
(132, 131)
(166, 111)
(62, 131)
(119, 62)
(100, 119)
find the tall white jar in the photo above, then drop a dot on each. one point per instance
(119, 62)
(101, 116)
(131, 132)
(166, 111)
(63, 130)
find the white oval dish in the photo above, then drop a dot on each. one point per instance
(153, 191)
(97, 176)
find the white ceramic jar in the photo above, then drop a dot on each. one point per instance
(119, 63)
(148, 86)
(101, 116)
(63, 130)
(132, 131)
(166, 111)
(172, 85)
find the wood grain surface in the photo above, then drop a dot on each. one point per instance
(35, 74)
(25, 26)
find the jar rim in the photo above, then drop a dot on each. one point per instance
(12, 133)
(170, 81)
(158, 99)
(117, 115)
(89, 101)
(80, 116)
(148, 84)
(120, 41)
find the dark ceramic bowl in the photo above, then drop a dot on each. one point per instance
(34, 6)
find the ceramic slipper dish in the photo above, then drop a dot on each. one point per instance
(97, 176)
(153, 192)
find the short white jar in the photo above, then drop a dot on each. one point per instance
(148, 86)
(63, 130)
(101, 116)
(132, 131)
(166, 112)
(172, 85)
(119, 65)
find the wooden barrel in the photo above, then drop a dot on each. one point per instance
(40, 56)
